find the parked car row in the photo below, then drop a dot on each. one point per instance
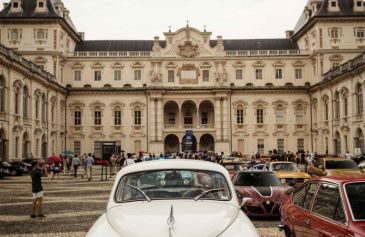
(16, 168)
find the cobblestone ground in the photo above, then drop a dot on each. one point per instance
(71, 206)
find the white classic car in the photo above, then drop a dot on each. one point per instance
(173, 198)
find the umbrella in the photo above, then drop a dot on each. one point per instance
(68, 154)
(55, 159)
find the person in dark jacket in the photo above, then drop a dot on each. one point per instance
(37, 190)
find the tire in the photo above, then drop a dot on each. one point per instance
(13, 173)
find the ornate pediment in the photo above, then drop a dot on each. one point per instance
(260, 102)
(137, 65)
(258, 64)
(97, 65)
(298, 64)
(280, 102)
(117, 65)
(260, 134)
(137, 104)
(97, 104)
(300, 102)
(336, 58)
(40, 60)
(171, 65)
(188, 49)
(239, 102)
(278, 64)
(238, 64)
(117, 104)
(77, 65)
(205, 65)
(77, 104)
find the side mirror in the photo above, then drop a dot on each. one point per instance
(247, 200)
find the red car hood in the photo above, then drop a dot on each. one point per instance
(263, 193)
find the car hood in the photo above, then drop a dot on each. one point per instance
(192, 218)
(336, 172)
(292, 174)
(274, 193)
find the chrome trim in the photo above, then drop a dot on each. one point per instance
(347, 199)
(171, 221)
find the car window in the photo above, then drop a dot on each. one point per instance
(284, 167)
(303, 197)
(328, 203)
(341, 164)
(258, 179)
(172, 184)
(356, 197)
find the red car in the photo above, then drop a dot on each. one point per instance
(262, 191)
(328, 206)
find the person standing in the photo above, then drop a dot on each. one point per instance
(89, 166)
(129, 160)
(37, 190)
(75, 164)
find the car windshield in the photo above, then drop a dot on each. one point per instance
(172, 184)
(233, 167)
(284, 167)
(356, 195)
(258, 179)
(341, 164)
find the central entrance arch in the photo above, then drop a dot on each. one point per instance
(206, 143)
(188, 145)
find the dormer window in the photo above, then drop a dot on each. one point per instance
(40, 4)
(333, 4)
(359, 3)
(15, 4)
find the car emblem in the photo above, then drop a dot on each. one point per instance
(171, 221)
(268, 202)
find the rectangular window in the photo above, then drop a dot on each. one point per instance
(359, 3)
(41, 4)
(334, 34)
(259, 74)
(97, 118)
(137, 118)
(77, 118)
(298, 73)
(117, 75)
(37, 109)
(240, 116)
(278, 73)
(171, 118)
(280, 145)
(280, 118)
(260, 116)
(15, 5)
(117, 118)
(333, 4)
(300, 144)
(300, 118)
(204, 118)
(205, 75)
(77, 147)
(360, 34)
(16, 147)
(137, 75)
(77, 75)
(14, 35)
(97, 75)
(239, 74)
(16, 103)
(261, 146)
(40, 34)
(171, 76)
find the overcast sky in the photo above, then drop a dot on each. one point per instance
(143, 19)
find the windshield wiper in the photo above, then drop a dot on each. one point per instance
(208, 191)
(141, 191)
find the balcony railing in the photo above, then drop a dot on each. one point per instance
(126, 54)
(255, 53)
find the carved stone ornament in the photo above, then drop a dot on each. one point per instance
(188, 49)
(156, 77)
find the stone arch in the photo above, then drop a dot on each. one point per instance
(171, 144)
(171, 113)
(206, 142)
(189, 114)
(189, 143)
(3, 145)
(206, 113)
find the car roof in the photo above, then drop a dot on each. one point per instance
(174, 164)
(279, 162)
(334, 158)
(342, 179)
(256, 172)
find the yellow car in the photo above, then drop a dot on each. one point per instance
(333, 166)
(288, 172)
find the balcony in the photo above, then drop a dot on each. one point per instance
(189, 126)
(300, 127)
(240, 127)
(280, 127)
(261, 127)
(97, 129)
(77, 129)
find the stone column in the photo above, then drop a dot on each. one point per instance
(225, 117)
(217, 111)
(159, 122)
(152, 119)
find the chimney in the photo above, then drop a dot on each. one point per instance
(289, 34)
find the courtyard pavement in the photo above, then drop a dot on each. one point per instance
(71, 206)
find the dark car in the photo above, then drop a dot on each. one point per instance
(262, 191)
(22, 167)
(328, 206)
(13, 169)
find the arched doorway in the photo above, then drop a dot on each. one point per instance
(3, 146)
(44, 147)
(171, 114)
(26, 145)
(189, 144)
(206, 113)
(359, 140)
(171, 144)
(337, 143)
(206, 143)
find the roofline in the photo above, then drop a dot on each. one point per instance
(61, 20)
(314, 20)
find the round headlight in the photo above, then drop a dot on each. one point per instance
(283, 181)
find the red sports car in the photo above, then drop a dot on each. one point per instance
(262, 191)
(328, 206)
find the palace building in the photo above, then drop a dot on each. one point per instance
(186, 91)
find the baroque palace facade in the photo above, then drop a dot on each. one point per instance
(184, 92)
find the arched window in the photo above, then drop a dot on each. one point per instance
(2, 94)
(359, 99)
(337, 105)
(280, 114)
(337, 142)
(314, 112)
(117, 116)
(299, 114)
(260, 114)
(16, 100)
(325, 107)
(25, 101)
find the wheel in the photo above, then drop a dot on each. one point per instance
(288, 232)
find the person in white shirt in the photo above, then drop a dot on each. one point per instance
(129, 160)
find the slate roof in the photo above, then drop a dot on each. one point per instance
(28, 12)
(146, 45)
(346, 10)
